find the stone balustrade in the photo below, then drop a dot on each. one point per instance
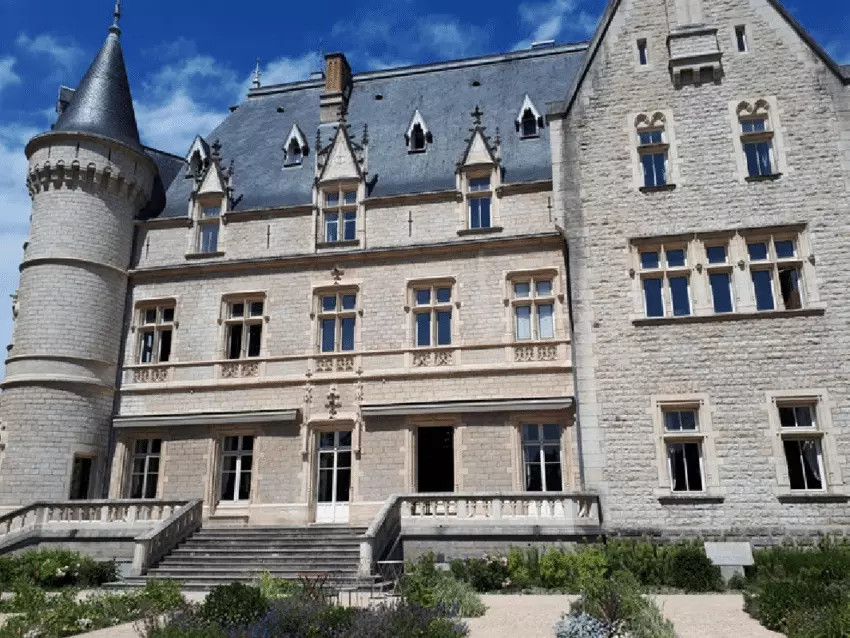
(152, 546)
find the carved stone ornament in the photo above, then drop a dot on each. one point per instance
(333, 403)
(337, 273)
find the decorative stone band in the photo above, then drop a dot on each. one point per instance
(70, 261)
(209, 418)
(480, 405)
(40, 369)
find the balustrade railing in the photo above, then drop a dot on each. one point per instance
(152, 546)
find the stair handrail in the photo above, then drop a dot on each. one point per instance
(154, 544)
(383, 533)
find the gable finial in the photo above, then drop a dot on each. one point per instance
(116, 19)
(318, 140)
(365, 140)
(476, 116)
(257, 73)
(216, 150)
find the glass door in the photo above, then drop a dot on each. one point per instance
(334, 477)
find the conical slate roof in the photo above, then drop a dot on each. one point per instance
(102, 104)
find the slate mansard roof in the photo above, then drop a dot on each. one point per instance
(253, 136)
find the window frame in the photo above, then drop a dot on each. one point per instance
(646, 125)
(776, 265)
(204, 221)
(159, 326)
(433, 309)
(534, 301)
(665, 273)
(337, 315)
(766, 109)
(341, 212)
(240, 453)
(471, 195)
(703, 435)
(146, 457)
(245, 321)
(741, 38)
(540, 442)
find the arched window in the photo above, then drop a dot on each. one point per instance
(756, 133)
(651, 137)
(529, 124)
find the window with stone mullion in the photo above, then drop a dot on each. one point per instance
(156, 330)
(337, 321)
(244, 328)
(541, 450)
(653, 157)
(802, 442)
(144, 468)
(776, 273)
(237, 464)
(533, 304)
(666, 281)
(684, 444)
(433, 316)
(209, 221)
(340, 215)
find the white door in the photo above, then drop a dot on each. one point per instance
(334, 480)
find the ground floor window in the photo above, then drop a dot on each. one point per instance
(802, 442)
(541, 446)
(435, 459)
(683, 440)
(144, 471)
(236, 468)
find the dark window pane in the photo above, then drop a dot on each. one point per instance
(153, 465)
(796, 473)
(553, 477)
(653, 297)
(679, 290)
(444, 328)
(164, 346)
(256, 308)
(234, 342)
(552, 453)
(479, 184)
(332, 199)
(326, 440)
(147, 347)
(688, 419)
(716, 254)
(343, 484)
(672, 423)
(237, 310)
(678, 474)
(763, 287)
(529, 124)
(350, 197)
(785, 249)
(642, 56)
(692, 461)
(228, 486)
(326, 488)
(137, 486)
(231, 443)
(150, 316)
(650, 260)
(343, 460)
(247, 443)
(255, 334)
(763, 150)
(444, 295)
(721, 292)
(156, 446)
(423, 329)
(757, 251)
(345, 441)
(331, 227)
(350, 230)
(660, 162)
(751, 151)
(529, 433)
(485, 212)
(533, 477)
(811, 467)
(804, 416)
(329, 303)
(347, 334)
(150, 488)
(349, 302)
(328, 335)
(789, 284)
(552, 432)
(423, 297)
(676, 258)
(245, 486)
(140, 447)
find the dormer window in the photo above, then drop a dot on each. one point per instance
(339, 213)
(295, 147)
(528, 121)
(208, 222)
(480, 196)
(418, 136)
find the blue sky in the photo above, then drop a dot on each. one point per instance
(189, 60)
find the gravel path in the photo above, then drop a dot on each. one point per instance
(710, 616)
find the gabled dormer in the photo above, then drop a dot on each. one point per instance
(418, 137)
(478, 176)
(209, 204)
(198, 158)
(295, 148)
(528, 120)
(339, 191)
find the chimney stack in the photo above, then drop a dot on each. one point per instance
(338, 84)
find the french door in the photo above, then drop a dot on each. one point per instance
(333, 482)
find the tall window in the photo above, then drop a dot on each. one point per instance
(720, 278)
(433, 315)
(208, 227)
(801, 439)
(684, 445)
(81, 478)
(533, 303)
(337, 321)
(244, 328)
(776, 272)
(666, 281)
(155, 333)
(757, 139)
(741, 38)
(479, 198)
(340, 215)
(541, 450)
(237, 463)
(652, 150)
(144, 469)
(643, 54)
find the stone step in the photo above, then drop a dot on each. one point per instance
(261, 562)
(243, 575)
(297, 533)
(214, 553)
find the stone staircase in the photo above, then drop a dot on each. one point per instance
(220, 555)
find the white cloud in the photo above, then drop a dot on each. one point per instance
(65, 55)
(8, 76)
(555, 20)
(172, 123)
(839, 51)
(14, 218)
(283, 70)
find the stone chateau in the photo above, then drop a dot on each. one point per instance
(607, 271)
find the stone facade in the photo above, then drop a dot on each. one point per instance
(737, 369)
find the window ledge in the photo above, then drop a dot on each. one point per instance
(658, 189)
(676, 498)
(480, 231)
(348, 243)
(416, 151)
(730, 316)
(812, 497)
(763, 178)
(218, 253)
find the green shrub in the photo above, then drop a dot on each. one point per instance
(234, 604)
(524, 567)
(487, 574)
(54, 569)
(95, 573)
(274, 588)
(573, 572)
(820, 622)
(425, 585)
(688, 568)
(640, 558)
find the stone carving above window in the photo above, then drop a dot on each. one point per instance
(240, 370)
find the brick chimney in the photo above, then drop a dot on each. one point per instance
(338, 83)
